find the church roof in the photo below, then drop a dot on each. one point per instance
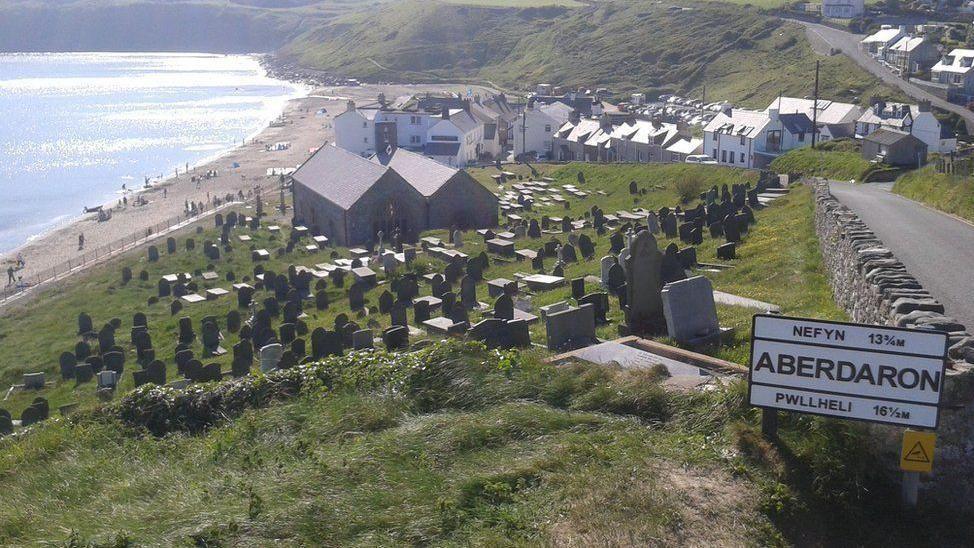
(424, 174)
(339, 175)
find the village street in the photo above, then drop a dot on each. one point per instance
(937, 249)
(823, 38)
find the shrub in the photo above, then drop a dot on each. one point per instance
(689, 186)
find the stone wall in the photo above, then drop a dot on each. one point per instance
(875, 288)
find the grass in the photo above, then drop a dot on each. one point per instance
(752, 58)
(33, 335)
(839, 160)
(952, 194)
(534, 455)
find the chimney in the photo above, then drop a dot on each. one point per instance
(878, 105)
(923, 106)
(605, 123)
(466, 105)
(445, 113)
(382, 100)
(574, 117)
(773, 113)
(350, 106)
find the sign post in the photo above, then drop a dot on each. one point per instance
(870, 373)
(861, 372)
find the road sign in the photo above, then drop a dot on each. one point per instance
(853, 371)
(917, 452)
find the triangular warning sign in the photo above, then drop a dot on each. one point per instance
(917, 454)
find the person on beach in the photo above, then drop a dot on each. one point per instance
(10, 275)
(81, 241)
(20, 261)
(164, 193)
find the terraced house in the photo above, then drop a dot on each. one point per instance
(752, 139)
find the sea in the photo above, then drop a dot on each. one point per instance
(76, 127)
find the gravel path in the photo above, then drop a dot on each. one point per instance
(937, 249)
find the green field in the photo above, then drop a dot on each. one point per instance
(451, 445)
(839, 160)
(952, 194)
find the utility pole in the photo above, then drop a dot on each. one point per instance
(524, 128)
(815, 109)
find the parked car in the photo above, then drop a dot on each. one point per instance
(700, 159)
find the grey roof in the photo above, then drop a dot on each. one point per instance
(797, 122)
(441, 149)
(424, 174)
(340, 176)
(464, 120)
(885, 136)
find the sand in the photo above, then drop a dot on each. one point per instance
(305, 128)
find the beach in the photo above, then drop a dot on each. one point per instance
(307, 124)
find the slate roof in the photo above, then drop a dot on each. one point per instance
(885, 136)
(796, 123)
(424, 174)
(829, 112)
(748, 123)
(434, 148)
(340, 176)
(958, 60)
(883, 36)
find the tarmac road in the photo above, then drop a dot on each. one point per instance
(936, 248)
(821, 35)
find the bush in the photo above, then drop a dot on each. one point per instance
(689, 186)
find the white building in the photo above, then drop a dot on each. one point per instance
(456, 139)
(956, 71)
(535, 128)
(653, 141)
(917, 120)
(752, 139)
(843, 9)
(834, 119)
(355, 129)
(912, 54)
(877, 43)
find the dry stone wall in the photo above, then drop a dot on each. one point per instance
(874, 287)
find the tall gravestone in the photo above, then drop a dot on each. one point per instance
(643, 284)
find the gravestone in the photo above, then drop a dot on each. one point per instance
(321, 299)
(396, 338)
(468, 292)
(186, 334)
(126, 274)
(153, 254)
(356, 296)
(600, 305)
(652, 222)
(85, 325)
(643, 283)
(83, 372)
(211, 340)
(421, 312)
(114, 361)
(298, 348)
(362, 339)
(504, 307)
(671, 269)
(616, 242)
(586, 247)
(398, 314)
(270, 356)
(67, 362)
(578, 287)
(570, 329)
(732, 232)
(727, 251)
(385, 302)
(669, 225)
(170, 245)
(691, 315)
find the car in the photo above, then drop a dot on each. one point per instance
(700, 159)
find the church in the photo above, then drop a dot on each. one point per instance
(350, 198)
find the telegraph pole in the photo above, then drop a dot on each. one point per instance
(815, 108)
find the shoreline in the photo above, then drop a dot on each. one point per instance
(304, 128)
(301, 91)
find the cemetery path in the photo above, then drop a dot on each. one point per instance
(936, 248)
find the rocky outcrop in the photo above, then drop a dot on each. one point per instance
(874, 287)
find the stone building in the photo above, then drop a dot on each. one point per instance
(350, 199)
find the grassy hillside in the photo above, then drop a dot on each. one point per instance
(839, 160)
(740, 53)
(953, 194)
(453, 446)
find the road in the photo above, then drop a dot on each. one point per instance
(823, 38)
(937, 249)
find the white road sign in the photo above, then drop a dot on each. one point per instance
(853, 371)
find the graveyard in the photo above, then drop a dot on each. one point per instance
(300, 373)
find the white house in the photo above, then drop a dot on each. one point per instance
(535, 128)
(653, 141)
(834, 119)
(843, 9)
(578, 140)
(912, 54)
(956, 71)
(752, 139)
(877, 43)
(456, 139)
(917, 120)
(355, 129)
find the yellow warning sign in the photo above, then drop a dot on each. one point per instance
(917, 452)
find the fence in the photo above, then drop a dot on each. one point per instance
(89, 257)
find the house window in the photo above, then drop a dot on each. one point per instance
(547, 128)
(742, 157)
(365, 125)
(715, 154)
(365, 139)
(723, 156)
(742, 140)
(714, 134)
(414, 120)
(414, 139)
(774, 141)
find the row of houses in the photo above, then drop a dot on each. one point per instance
(902, 51)
(453, 130)
(753, 139)
(615, 139)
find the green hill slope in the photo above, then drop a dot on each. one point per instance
(740, 53)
